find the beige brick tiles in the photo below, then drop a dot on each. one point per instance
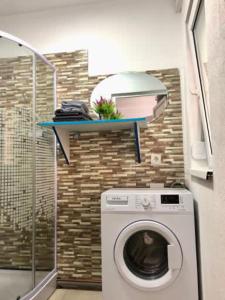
(103, 160)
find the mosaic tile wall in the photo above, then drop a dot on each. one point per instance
(100, 161)
(17, 165)
(45, 171)
(15, 188)
(45, 191)
(15, 162)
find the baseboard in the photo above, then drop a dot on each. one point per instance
(79, 285)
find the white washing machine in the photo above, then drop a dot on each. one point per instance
(148, 245)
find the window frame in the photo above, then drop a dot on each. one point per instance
(191, 18)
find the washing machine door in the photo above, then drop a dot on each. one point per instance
(148, 255)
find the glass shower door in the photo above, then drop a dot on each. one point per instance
(16, 169)
(44, 250)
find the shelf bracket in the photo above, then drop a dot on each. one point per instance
(63, 130)
(63, 139)
(137, 141)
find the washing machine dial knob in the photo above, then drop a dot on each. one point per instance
(145, 203)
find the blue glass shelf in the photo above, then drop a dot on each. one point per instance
(65, 128)
(97, 125)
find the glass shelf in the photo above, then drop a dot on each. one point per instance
(63, 130)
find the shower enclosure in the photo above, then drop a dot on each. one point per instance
(27, 173)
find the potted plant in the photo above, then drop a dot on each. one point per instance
(106, 109)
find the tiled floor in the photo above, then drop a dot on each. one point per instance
(62, 294)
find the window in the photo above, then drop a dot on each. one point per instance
(199, 34)
(196, 22)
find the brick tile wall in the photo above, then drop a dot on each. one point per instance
(104, 160)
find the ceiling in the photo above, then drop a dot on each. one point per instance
(11, 7)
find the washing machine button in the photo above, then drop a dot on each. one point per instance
(145, 203)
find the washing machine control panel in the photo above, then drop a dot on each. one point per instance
(145, 202)
(167, 202)
(164, 203)
(173, 202)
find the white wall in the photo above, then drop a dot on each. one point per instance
(121, 35)
(215, 16)
(202, 190)
(209, 195)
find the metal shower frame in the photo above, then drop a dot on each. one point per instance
(48, 284)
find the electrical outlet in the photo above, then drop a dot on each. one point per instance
(156, 159)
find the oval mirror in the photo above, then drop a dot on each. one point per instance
(132, 94)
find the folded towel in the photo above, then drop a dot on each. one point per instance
(68, 116)
(69, 110)
(75, 104)
(72, 111)
(71, 114)
(71, 118)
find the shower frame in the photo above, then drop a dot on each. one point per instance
(46, 287)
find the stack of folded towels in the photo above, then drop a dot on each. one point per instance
(72, 111)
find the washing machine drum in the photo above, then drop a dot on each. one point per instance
(148, 255)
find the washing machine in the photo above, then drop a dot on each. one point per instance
(148, 245)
